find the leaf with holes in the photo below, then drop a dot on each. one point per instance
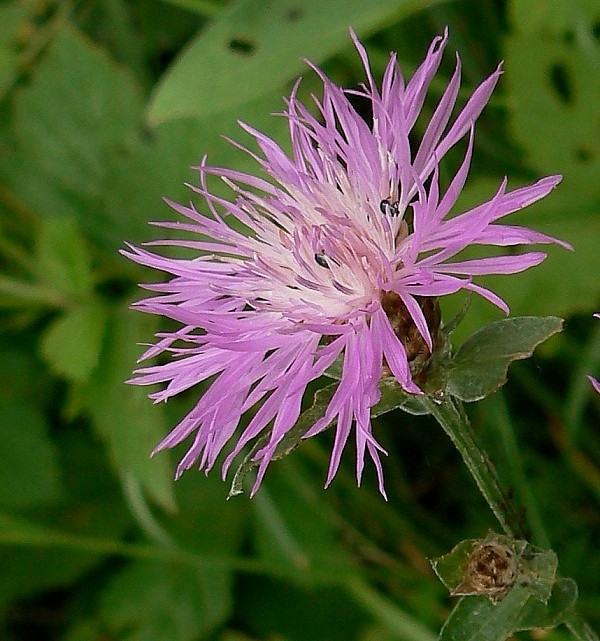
(257, 47)
(552, 62)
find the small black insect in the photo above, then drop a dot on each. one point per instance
(389, 208)
(322, 260)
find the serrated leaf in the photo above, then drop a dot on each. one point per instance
(289, 442)
(71, 344)
(29, 470)
(122, 414)
(481, 363)
(257, 47)
(166, 601)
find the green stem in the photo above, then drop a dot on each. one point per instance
(140, 510)
(451, 416)
(21, 533)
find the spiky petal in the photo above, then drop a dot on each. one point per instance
(265, 312)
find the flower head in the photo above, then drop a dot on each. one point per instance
(329, 266)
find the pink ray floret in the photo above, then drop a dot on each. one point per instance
(266, 311)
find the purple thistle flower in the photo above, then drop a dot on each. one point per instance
(594, 381)
(329, 266)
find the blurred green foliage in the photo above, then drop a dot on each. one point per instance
(104, 106)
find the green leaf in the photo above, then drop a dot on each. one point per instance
(71, 123)
(478, 619)
(166, 601)
(123, 416)
(62, 258)
(552, 60)
(288, 443)
(480, 365)
(562, 601)
(394, 397)
(29, 470)
(257, 47)
(71, 344)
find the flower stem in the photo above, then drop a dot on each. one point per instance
(450, 415)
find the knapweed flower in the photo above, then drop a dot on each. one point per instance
(345, 247)
(594, 381)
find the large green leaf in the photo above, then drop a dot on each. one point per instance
(552, 62)
(257, 47)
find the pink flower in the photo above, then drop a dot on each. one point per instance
(328, 267)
